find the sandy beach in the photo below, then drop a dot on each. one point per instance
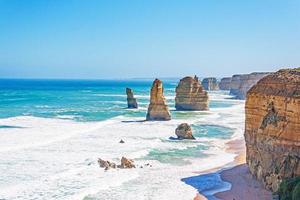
(243, 184)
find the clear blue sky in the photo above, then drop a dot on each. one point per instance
(154, 38)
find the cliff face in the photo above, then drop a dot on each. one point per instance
(225, 83)
(131, 101)
(210, 83)
(241, 83)
(190, 95)
(272, 127)
(158, 109)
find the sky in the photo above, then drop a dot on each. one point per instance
(93, 39)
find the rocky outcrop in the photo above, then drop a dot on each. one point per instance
(106, 164)
(184, 131)
(190, 95)
(158, 108)
(241, 83)
(225, 83)
(272, 127)
(126, 163)
(210, 83)
(131, 101)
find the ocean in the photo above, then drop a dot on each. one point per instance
(52, 133)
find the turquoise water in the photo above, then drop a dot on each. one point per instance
(44, 156)
(82, 100)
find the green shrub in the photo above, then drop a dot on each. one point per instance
(289, 189)
(296, 192)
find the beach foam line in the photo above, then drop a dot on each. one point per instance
(37, 131)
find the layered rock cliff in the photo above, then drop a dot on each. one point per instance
(241, 83)
(158, 108)
(190, 95)
(131, 101)
(272, 127)
(225, 83)
(210, 83)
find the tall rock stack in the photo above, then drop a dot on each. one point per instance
(158, 108)
(240, 84)
(131, 101)
(190, 95)
(225, 83)
(210, 83)
(272, 129)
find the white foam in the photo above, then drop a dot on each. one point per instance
(57, 158)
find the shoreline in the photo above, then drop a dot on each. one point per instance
(242, 184)
(235, 146)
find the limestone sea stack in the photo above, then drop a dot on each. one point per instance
(210, 83)
(190, 95)
(240, 84)
(272, 129)
(158, 108)
(225, 83)
(131, 101)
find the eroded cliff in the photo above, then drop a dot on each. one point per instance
(210, 83)
(241, 83)
(225, 83)
(272, 127)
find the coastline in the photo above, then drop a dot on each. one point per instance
(242, 184)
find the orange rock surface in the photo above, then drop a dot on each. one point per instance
(190, 95)
(158, 108)
(272, 127)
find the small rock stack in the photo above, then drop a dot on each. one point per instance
(131, 101)
(184, 131)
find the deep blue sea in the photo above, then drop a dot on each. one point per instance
(53, 131)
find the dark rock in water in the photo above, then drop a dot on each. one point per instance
(190, 95)
(184, 131)
(122, 141)
(158, 108)
(210, 83)
(131, 101)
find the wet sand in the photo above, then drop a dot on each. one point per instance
(243, 185)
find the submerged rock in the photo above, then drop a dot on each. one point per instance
(190, 95)
(184, 131)
(272, 127)
(121, 141)
(210, 83)
(131, 101)
(225, 83)
(158, 108)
